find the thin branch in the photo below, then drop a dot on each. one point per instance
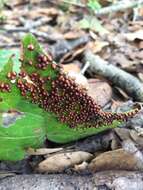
(122, 6)
(74, 3)
(117, 76)
(87, 64)
(118, 7)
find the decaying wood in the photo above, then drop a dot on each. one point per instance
(117, 180)
(117, 76)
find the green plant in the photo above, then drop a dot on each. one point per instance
(94, 5)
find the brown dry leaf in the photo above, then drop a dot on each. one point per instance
(48, 11)
(62, 161)
(73, 71)
(121, 60)
(42, 12)
(140, 75)
(72, 54)
(136, 137)
(79, 79)
(81, 167)
(141, 45)
(97, 46)
(135, 25)
(73, 34)
(100, 91)
(115, 160)
(115, 105)
(123, 133)
(43, 151)
(71, 67)
(12, 3)
(134, 35)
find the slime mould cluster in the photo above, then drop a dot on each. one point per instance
(55, 92)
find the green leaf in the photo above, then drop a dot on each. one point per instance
(92, 23)
(6, 100)
(26, 131)
(94, 5)
(28, 55)
(6, 54)
(22, 124)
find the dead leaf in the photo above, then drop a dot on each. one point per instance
(72, 54)
(136, 137)
(81, 167)
(123, 133)
(97, 46)
(79, 79)
(134, 35)
(71, 67)
(73, 34)
(100, 91)
(140, 75)
(43, 151)
(62, 161)
(115, 160)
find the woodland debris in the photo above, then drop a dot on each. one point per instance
(136, 137)
(62, 161)
(119, 180)
(117, 76)
(134, 35)
(62, 47)
(100, 142)
(79, 79)
(115, 160)
(130, 147)
(121, 6)
(100, 91)
(43, 151)
(47, 182)
(101, 180)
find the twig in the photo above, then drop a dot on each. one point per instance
(87, 64)
(9, 45)
(118, 7)
(74, 3)
(49, 38)
(29, 24)
(110, 9)
(46, 36)
(118, 77)
(136, 11)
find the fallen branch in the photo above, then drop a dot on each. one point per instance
(118, 7)
(118, 77)
(11, 45)
(121, 6)
(110, 180)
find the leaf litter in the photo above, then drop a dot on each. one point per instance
(121, 46)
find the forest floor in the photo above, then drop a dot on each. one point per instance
(82, 39)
